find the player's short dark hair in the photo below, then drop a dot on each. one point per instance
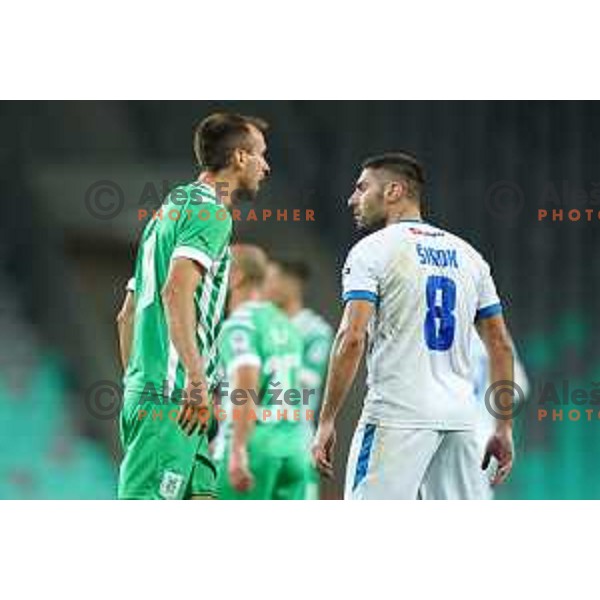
(219, 134)
(297, 269)
(403, 165)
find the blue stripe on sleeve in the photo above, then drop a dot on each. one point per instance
(489, 311)
(360, 295)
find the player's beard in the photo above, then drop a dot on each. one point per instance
(371, 220)
(247, 191)
(243, 195)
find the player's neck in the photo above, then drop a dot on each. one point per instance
(243, 294)
(293, 307)
(222, 184)
(410, 214)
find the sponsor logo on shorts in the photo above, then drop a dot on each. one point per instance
(170, 485)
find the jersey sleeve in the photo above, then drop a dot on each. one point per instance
(239, 347)
(360, 278)
(488, 303)
(203, 234)
(130, 287)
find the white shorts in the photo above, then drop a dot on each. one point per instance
(408, 464)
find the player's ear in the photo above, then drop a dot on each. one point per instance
(393, 191)
(238, 159)
(236, 278)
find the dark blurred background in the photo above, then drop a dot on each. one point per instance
(63, 265)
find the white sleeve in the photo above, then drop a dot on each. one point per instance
(488, 303)
(130, 287)
(360, 279)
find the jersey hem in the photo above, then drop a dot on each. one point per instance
(360, 295)
(489, 311)
(194, 254)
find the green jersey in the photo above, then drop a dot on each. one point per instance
(259, 334)
(317, 337)
(191, 224)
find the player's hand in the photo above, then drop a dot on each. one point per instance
(195, 409)
(500, 447)
(239, 472)
(322, 448)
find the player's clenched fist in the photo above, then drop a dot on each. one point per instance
(322, 448)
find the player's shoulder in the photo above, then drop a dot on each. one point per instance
(462, 244)
(244, 316)
(273, 316)
(196, 194)
(197, 190)
(309, 322)
(258, 315)
(373, 240)
(385, 240)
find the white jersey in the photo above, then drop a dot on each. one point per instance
(428, 287)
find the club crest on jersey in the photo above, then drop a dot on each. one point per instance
(240, 342)
(170, 485)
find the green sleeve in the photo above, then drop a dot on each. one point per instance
(202, 233)
(239, 347)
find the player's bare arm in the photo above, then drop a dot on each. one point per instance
(497, 341)
(125, 327)
(346, 354)
(246, 378)
(184, 277)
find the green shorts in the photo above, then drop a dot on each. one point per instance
(160, 461)
(278, 462)
(313, 485)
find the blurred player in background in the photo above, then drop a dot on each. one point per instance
(260, 458)
(286, 284)
(417, 290)
(173, 312)
(480, 364)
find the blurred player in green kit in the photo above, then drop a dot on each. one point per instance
(286, 283)
(173, 313)
(261, 449)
